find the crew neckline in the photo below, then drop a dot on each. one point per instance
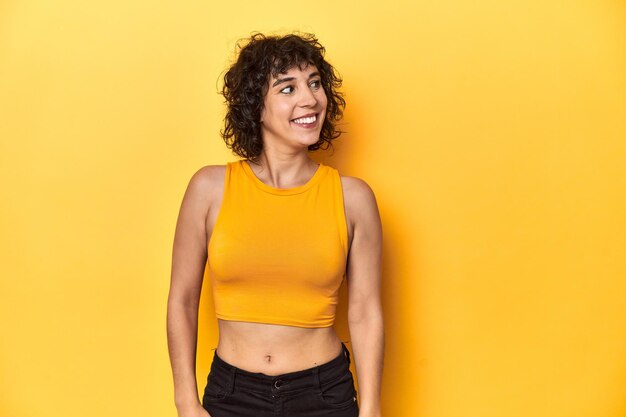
(282, 191)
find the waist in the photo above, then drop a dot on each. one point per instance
(275, 349)
(283, 382)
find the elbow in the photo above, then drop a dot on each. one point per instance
(371, 316)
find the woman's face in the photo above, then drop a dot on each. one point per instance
(294, 108)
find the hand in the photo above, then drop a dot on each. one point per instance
(193, 411)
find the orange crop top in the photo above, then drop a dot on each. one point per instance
(278, 255)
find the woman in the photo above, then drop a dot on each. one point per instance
(282, 232)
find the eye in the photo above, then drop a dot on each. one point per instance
(287, 88)
(316, 84)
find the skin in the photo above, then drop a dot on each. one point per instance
(268, 348)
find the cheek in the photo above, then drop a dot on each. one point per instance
(282, 111)
(323, 100)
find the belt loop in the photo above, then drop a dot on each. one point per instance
(316, 379)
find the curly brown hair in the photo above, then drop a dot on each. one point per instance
(246, 83)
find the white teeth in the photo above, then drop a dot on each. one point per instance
(304, 120)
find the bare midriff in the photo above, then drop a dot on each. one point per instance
(275, 349)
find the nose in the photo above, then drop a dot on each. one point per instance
(307, 98)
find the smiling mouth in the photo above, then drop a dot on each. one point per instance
(306, 120)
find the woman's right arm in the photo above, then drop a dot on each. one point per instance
(189, 257)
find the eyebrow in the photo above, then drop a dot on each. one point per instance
(287, 79)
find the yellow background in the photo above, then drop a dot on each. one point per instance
(492, 132)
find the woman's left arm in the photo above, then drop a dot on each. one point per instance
(365, 315)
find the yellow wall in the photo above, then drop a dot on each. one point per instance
(494, 136)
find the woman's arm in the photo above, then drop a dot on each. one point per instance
(365, 315)
(188, 262)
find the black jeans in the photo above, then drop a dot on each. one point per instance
(326, 390)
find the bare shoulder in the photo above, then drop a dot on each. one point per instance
(204, 184)
(359, 198)
(356, 187)
(208, 175)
